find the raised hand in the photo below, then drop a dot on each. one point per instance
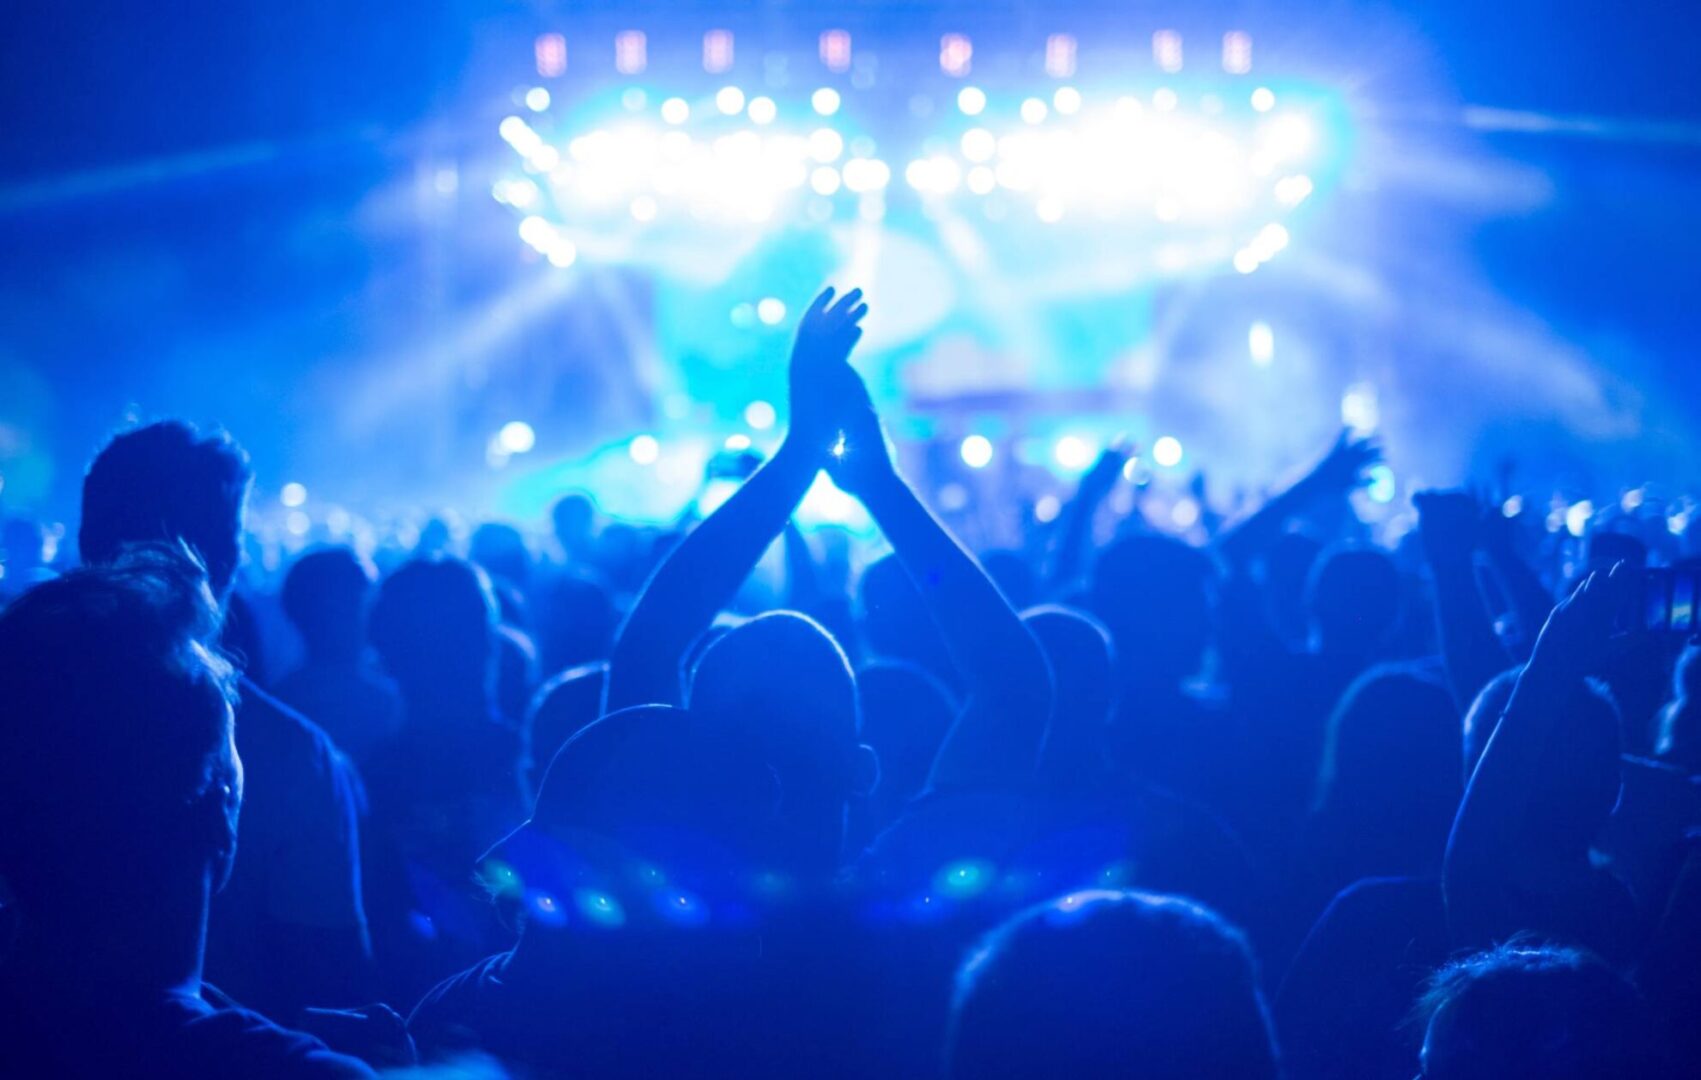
(826, 335)
(1342, 469)
(861, 458)
(1577, 635)
(1106, 471)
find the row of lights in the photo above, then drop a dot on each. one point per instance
(956, 53)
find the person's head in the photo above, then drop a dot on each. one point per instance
(1111, 984)
(1391, 762)
(119, 780)
(576, 619)
(434, 627)
(1353, 599)
(573, 518)
(780, 684)
(906, 713)
(500, 549)
(1484, 715)
(1155, 595)
(1528, 1010)
(1083, 673)
(1680, 721)
(894, 621)
(325, 596)
(168, 482)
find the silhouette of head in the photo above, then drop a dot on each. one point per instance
(1484, 715)
(905, 715)
(781, 685)
(325, 595)
(1549, 1011)
(576, 618)
(501, 551)
(119, 780)
(1354, 599)
(1083, 672)
(434, 627)
(1154, 594)
(1111, 984)
(168, 482)
(894, 620)
(573, 517)
(1680, 721)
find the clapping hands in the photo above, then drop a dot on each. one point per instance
(826, 335)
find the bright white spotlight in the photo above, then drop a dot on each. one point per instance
(730, 100)
(867, 174)
(982, 180)
(1067, 100)
(763, 110)
(1167, 451)
(826, 145)
(1293, 190)
(1263, 99)
(1270, 239)
(1033, 110)
(1577, 517)
(759, 415)
(676, 110)
(1380, 484)
(825, 180)
(1246, 260)
(1359, 408)
(644, 449)
(1288, 136)
(1049, 209)
(976, 451)
(297, 523)
(1072, 452)
(979, 144)
(537, 99)
(1046, 508)
(1261, 343)
(644, 208)
(537, 232)
(1164, 99)
(516, 437)
(737, 442)
(771, 310)
(825, 101)
(972, 100)
(1184, 514)
(563, 254)
(292, 494)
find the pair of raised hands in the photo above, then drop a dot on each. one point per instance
(832, 416)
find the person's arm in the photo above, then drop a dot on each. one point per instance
(1530, 599)
(998, 734)
(1471, 651)
(703, 572)
(1340, 471)
(1075, 536)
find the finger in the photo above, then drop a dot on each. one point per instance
(855, 314)
(846, 302)
(821, 301)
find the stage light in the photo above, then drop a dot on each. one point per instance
(537, 99)
(516, 437)
(1128, 108)
(1287, 137)
(717, 51)
(1049, 209)
(826, 145)
(1237, 52)
(563, 254)
(1512, 507)
(737, 442)
(292, 494)
(825, 101)
(1577, 517)
(1060, 56)
(1164, 99)
(1632, 499)
(644, 449)
(1046, 509)
(1263, 99)
(937, 175)
(730, 100)
(1379, 484)
(1167, 451)
(1678, 523)
(1067, 100)
(976, 451)
(1293, 190)
(1261, 344)
(297, 523)
(1184, 514)
(1033, 110)
(866, 174)
(971, 100)
(1072, 452)
(1359, 408)
(979, 144)
(537, 232)
(1166, 50)
(955, 54)
(835, 50)
(1246, 260)
(631, 52)
(759, 415)
(550, 52)
(770, 310)
(1270, 239)
(825, 180)
(643, 208)
(763, 110)
(982, 180)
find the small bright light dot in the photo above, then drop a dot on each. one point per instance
(770, 310)
(644, 449)
(1261, 343)
(825, 101)
(825, 180)
(759, 415)
(297, 523)
(763, 110)
(644, 208)
(1049, 209)
(1033, 110)
(1288, 136)
(982, 180)
(563, 254)
(1379, 484)
(537, 232)
(1263, 99)
(1127, 108)
(1272, 237)
(676, 110)
(292, 495)
(1046, 508)
(1067, 99)
(1513, 506)
(737, 442)
(730, 100)
(1184, 514)
(537, 99)
(516, 437)
(1167, 451)
(979, 144)
(1359, 408)
(1577, 517)
(1678, 523)
(826, 145)
(1632, 499)
(1245, 260)
(1073, 452)
(976, 451)
(1164, 99)
(1293, 190)
(972, 100)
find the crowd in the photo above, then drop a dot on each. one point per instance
(1285, 804)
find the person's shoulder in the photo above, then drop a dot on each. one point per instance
(260, 716)
(449, 1015)
(233, 1041)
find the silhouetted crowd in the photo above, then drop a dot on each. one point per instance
(1285, 804)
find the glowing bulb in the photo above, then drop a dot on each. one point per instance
(1072, 452)
(1033, 110)
(1067, 100)
(1164, 99)
(825, 180)
(979, 144)
(676, 110)
(1379, 484)
(976, 451)
(516, 437)
(737, 442)
(972, 100)
(1263, 99)
(644, 449)
(1261, 343)
(1167, 451)
(293, 495)
(826, 145)
(759, 415)
(730, 100)
(763, 110)
(770, 310)
(825, 101)
(1577, 517)
(537, 99)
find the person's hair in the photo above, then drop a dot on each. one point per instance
(1484, 715)
(1524, 1009)
(325, 594)
(433, 625)
(1679, 737)
(501, 550)
(1354, 595)
(1111, 983)
(1155, 594)
(1083, 669)
(114, 719)
(168, 482)
(1392, 745)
